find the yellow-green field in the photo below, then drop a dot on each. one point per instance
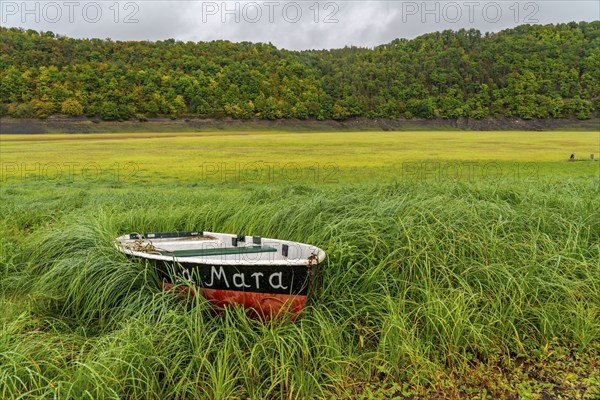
(285, 156)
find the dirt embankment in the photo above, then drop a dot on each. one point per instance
(85, 125)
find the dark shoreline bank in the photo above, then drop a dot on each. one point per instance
(90, 125)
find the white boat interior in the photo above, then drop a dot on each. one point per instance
(218, 248)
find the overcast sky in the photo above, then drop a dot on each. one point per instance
(293, 25)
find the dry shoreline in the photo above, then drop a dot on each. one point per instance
(91, 125)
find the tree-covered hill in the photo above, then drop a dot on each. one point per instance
(550, 71)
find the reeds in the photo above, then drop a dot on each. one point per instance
(421, 279)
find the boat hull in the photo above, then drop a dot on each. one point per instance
(265, 291)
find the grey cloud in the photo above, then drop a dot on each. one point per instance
(360, 23)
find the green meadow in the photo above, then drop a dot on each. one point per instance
(459, 265)
(310, 157)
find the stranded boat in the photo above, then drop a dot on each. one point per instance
(266, 276)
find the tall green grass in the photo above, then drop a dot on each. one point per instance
(422, 280)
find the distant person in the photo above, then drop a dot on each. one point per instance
(572, 158)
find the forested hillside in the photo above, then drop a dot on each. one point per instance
(550, 71)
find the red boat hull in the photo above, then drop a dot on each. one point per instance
(261, 305)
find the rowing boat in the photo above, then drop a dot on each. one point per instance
(269, 277)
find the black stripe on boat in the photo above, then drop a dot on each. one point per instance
(276, 279)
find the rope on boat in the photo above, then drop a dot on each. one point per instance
(145, 247)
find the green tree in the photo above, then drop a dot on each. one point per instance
(41, 108)
(71, 107)
(109, 111)
(424, 108)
